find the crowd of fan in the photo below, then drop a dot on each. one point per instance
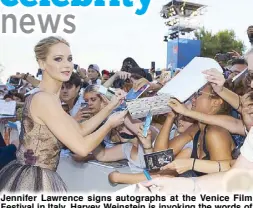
(205, 134)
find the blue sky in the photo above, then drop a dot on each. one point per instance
(106, 35)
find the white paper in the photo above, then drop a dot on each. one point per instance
(7, 108)
(190, 79)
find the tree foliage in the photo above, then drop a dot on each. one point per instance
(222, 42)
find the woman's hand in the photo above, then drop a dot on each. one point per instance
(216, 79)
(82, 115)
(146, 141)
(138, 84)
(117, 98)
(177, 106)
(179, 165)
(123, 75)
(117, 119)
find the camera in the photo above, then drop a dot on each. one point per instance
(220, 57)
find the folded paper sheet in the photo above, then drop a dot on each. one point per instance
(156, 105)
(190, 79)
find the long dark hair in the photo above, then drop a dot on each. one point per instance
(128, 64)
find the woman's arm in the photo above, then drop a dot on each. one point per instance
(134, 125)
(96, 120)
(92, 124)
(203, 166)
(231, 98)
(177, 143)
(217, 80)
(207, 166)
(233, 125)
(119, 74)
(109, 154)
(46, 110)
(162, 140)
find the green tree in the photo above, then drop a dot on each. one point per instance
(222, 42)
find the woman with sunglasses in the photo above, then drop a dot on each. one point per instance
(222, 181)
(210, 143)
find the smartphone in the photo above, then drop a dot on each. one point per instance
(147, 124)
(85, 106)
(152, 65)
(223, 57)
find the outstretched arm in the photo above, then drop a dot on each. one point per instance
(233, 125)
(46, 110)
(217, 80)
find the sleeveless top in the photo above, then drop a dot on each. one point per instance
(195, 149)
(38, 145)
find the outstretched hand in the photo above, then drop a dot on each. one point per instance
(216, 79)
(117, 119)
(177, 106)
(117, 98)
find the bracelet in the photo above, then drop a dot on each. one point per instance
(193, 164)
(219, 166)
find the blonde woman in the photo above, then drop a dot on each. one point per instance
(46, 127)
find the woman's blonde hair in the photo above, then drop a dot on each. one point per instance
(42, 48)
(92, 88)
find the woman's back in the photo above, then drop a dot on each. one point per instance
(37, 159)
(38, 142)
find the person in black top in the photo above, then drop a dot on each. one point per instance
(212, 145)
